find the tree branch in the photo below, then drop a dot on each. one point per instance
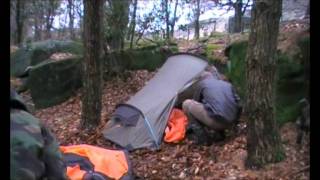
(229, 4)
(245, 7)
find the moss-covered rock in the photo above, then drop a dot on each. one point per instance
(290, 88)
(174, 48)
(37, 52)
(210, 51)
(149, 58)
(291, 83)
(215, 34)
(237, 53)
(52, 82)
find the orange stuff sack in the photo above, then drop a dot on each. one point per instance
(84, 159)
(176, 128)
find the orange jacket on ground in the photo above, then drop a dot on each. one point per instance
(82, 159)
(176, 127)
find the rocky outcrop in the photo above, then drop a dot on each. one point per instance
(52, 82)
(37, 52)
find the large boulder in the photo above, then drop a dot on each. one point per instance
(291, 82)
(149, 58)
(37, 52)
(52, 82)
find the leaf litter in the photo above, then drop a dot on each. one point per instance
(184, 160)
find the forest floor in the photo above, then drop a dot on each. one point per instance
(223, 160)
(184, 160)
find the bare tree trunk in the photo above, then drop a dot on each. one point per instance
(80, 15)
(174, 19)
(140, 36)
(92, 81)
(38, 18)
(196, 23)
(20, 21)
(48, 29)
(48, 25)
(13, 25)
(166, 4)
(71, 19)
(124, 22)
(237, 16)
(263, 140)
(119, 21)
(37, 30)
(133, 23)
(307, 14)
(49, 19)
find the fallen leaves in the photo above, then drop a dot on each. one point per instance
(61, 56)
(223, 160)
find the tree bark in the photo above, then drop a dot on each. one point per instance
(80, 15)
(133, 22)
(71, 19)
(119, 20)
(307, 14)
(166, 4)
(48, 24)
(237, 16)
(196, 23)
(125, 21)
(38, 10)
(263, 140)
(37, 30)
(20, 21)
(174, 19)
(51, 7)
(92, 65)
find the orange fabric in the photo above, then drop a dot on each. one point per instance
(176, 128)
(112, 163)
(75, 173)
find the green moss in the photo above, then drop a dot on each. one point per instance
(53, 82)
(290, 88)
(290, 82)
(37, 52)
(174, 48)
(237, 69)
(149, 58)
(211, 47)
(210, 51)
(279, 155)
(216, 34)
(287, 113)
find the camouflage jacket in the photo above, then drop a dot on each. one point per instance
(34, 152)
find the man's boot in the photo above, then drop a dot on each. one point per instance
(196, 132)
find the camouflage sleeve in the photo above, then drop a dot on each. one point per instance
(34, 152)
(26, 146)
(52, 157)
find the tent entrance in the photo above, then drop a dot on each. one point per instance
(154, 102)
